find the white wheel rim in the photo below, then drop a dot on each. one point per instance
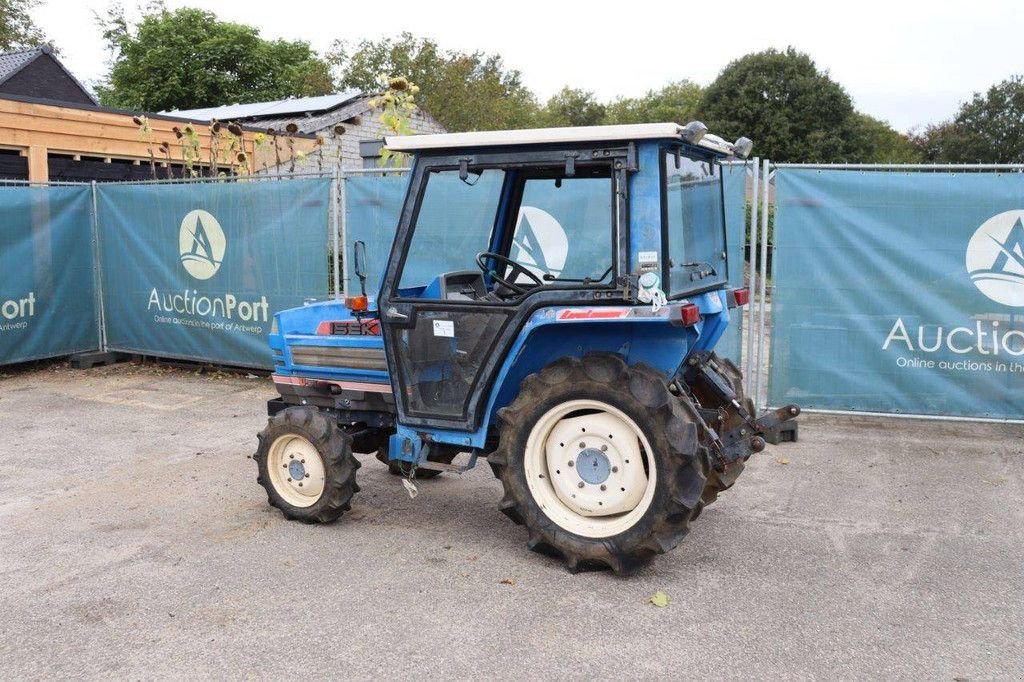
(587, 471)
(296, 470)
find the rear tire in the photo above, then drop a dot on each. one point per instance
(599, 414)
(306, 465)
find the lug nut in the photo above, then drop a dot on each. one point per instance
(300, 484)
(289, 479)
(603, 487)
(615, 470)
(582, 445)
(580, 484)
(291, 456)
(604, 448)
(307, 475)
(302, 461)
(569, 463)
(284, 466)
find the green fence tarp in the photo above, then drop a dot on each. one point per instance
(197, 271)
(47, 277)
(899, 292)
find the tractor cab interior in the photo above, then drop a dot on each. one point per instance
(495, 234)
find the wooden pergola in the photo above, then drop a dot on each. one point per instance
(41, 130)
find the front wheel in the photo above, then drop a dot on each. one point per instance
(306, 465)
(600, 463)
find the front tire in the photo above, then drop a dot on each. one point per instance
(600, 463)
(306, 465)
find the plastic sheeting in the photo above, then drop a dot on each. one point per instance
(899, 292)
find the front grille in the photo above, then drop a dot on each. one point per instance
(335, 356)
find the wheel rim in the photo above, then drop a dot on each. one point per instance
(589, 467)
(296, 470)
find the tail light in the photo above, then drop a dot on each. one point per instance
(689, 315)
(739, 297)
(357, 304)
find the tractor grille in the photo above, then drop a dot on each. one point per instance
(334, 356)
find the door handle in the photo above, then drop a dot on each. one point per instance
(393, 314)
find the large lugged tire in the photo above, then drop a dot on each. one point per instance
(637, 468)
(306, 465)
(719, 481)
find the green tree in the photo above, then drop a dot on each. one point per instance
(987, 129)
(463, 91)
(188, 59)
(17, 30)
(791, 110)
(572, 107)
(879, 143)
(677, 102)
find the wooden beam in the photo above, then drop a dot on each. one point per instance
(38, 166)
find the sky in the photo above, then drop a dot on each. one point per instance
(907, 62)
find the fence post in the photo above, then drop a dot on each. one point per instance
(335, 183)
(748, 357)
(101, 318)
(343, 210)
(762, 303)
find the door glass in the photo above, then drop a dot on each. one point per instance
(564, 228)
(454, 225)
(696, 224)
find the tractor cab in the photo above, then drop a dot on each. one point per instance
(551, 302)
(497, 227)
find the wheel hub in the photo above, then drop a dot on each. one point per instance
(593, 466)
(296, 470)
(594, 463)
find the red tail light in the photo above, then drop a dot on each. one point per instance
(689, 314)
(741, 296)
(357, 304)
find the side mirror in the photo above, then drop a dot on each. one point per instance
(359, 264)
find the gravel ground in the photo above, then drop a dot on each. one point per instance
(135, 543)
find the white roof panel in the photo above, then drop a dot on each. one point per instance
(277, 108)
(496, 138)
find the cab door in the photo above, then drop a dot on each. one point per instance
(447, 323)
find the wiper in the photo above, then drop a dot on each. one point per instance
(548, 277)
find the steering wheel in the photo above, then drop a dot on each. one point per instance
(517, 269)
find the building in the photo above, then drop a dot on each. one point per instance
(345, 125)
(51, 128)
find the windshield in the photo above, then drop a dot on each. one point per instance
(695, 224)
(453, 225)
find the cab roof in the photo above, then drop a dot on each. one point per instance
(581, 134)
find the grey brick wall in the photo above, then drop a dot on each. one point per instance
(346, 147)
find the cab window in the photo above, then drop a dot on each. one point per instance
(564, 228)
(454, 224)
(695, 224)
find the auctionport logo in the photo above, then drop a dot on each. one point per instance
(201, 242)
(995, 258)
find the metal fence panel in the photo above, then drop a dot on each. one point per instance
(47, 278)
(197, 271)
(735, 181)
(899, 292)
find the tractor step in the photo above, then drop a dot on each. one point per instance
(452, 468)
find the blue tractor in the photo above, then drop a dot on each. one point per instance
(551, 303)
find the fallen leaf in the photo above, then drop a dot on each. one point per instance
(472, 557)
(783, 461)
(659, 599)
(507, 581)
